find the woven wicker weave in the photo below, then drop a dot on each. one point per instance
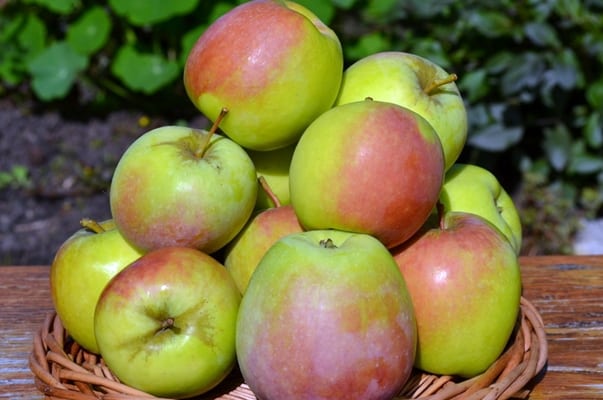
(63, 370)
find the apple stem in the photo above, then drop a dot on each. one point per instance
(440, 82)
(91, 224)
(204, 144)
(440, 209)
(168, 323)
(327, 244)
(266, 187)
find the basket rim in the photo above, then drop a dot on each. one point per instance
(64, 370)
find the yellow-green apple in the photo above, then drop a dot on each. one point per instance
(274, 64)
(178, 186)
(273, 166)
(326, 315)
(464, 280)
(368, 167)
(474, 189)
(166, 323)
(243, 254)
(81, 268)
(414, 82)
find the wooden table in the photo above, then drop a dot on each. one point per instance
(567, 291)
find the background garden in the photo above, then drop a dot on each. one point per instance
(80, 79)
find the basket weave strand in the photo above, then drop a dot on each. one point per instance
(65, 371)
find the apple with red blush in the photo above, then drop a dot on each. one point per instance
(368, 167)
(274, 64)
(464, 280)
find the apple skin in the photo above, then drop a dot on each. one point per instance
(81, 268)
(465, 284)
(368, 167)
(474, 189)
(133, 330)
(243, 254)
(162, 194)
(274, 167)
(401, 78)
(326, 323)
(273, 64)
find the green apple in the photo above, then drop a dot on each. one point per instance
(274, 64)
(81, 268)
(369, 167)
(474, 189)
(243, 254)
(273, 166)
(414, 82)
(464, 280)
(166, 323)
(326, 315)
(178, 186)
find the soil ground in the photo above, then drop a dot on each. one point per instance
(68, 165)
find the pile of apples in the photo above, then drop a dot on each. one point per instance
(321, 234)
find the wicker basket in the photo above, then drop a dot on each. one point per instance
(63, 370)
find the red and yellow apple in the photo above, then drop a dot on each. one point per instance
(273, 64)
(417, 83)
(464, 280)
(166, 323)
(81, 268)
(326, 315)
(369, 167)
(178, 186)
(243, 254)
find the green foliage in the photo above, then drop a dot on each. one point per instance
(16, 178)
(529, 71)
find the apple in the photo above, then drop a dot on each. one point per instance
(369, 167)
(274, 64)
(464, 280)
(243, 254)
(81, 268)
(179, 186)
(273, 166)
(166, 323)
(474, 189)
(326, 315)
(414, 82)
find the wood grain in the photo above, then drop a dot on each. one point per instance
(567, 291)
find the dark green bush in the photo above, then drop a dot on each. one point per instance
(530, 71)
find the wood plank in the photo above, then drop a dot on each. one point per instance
(24, 302)
(567, 291)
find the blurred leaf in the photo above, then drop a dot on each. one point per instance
(582, 162)
(367, 44)
(344, 4)
(500, 62)
(324, 10)
(542, 34)
(557, 145)
(524, 74)
(593, 130)
(33, 35)
(496, 138)
(490, 24)
(54, 70)
(473, 85)
(146, 12)
(382, 10)
(143, 71)
(89, 33)
(57, 6)
(594, 94)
